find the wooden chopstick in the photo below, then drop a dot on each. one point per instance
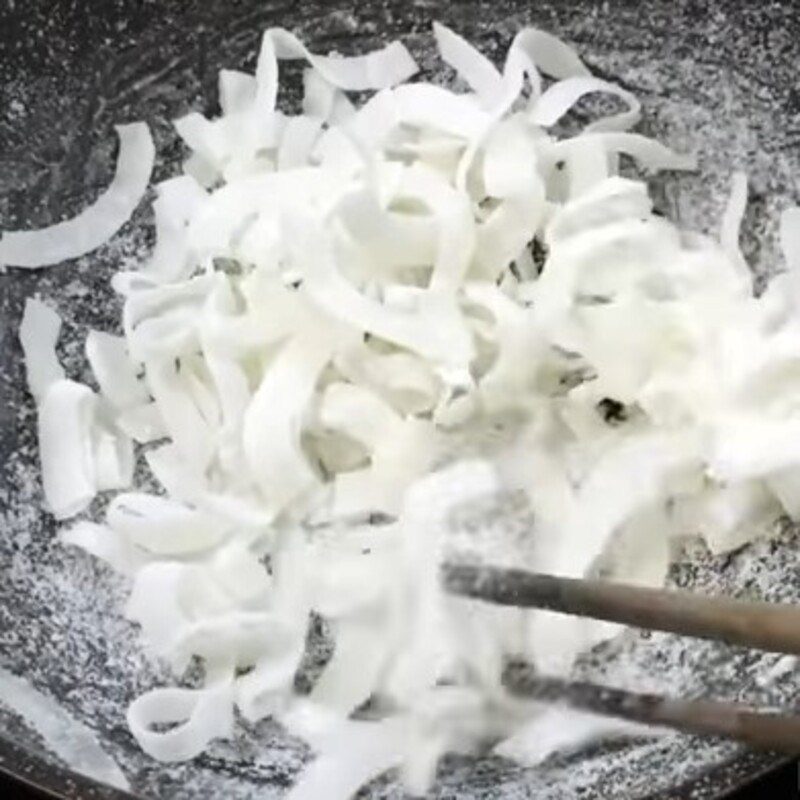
(764, 626)
(759, 730)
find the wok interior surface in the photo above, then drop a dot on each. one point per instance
(718, 79)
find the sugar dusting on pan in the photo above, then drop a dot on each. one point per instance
(57, 606)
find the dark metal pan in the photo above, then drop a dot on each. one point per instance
(718, 77)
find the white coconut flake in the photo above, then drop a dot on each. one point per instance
(112, 452)
(430, 332)
(66, 416)
(560, 98)
(142, 423)
(355, 754)
(380, 69)
(549, 54)
(790, 237)
(273, 422)
(98, 223)
(182, 420)
(113, 369)
(237, 90)
(732, 221)
(177, 201)
(106, 544)
(163, 526)
(200, 716)
(479, 73)
(70, 740)
(319, 96)
(649, 153)
(299, 137)
(38, 334)
(425, 105)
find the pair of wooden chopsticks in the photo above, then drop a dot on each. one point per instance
(765, 626)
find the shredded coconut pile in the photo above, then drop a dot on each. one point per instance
(336, 303)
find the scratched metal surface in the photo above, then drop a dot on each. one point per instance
(716, 77)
